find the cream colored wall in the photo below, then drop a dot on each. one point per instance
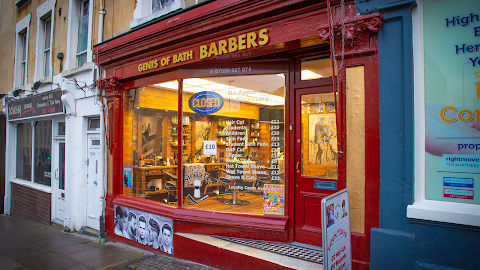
(118, 15)
(60, 35)
(7, 45)
(8, 19)
(355, 110)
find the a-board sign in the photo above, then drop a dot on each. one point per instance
(337, 252)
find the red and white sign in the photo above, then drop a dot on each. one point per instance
(337, 252)
(458, 193)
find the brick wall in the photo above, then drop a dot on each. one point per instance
(31, 204)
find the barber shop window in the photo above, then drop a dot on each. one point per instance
(233, 144)
(151, 143)
(24, 151)
(231, 138)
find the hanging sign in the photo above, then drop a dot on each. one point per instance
(206, 102)
(337, 251)
(44, 104)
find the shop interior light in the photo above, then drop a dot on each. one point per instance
(231, 92)
(309, 75)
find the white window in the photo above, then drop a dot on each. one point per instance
(21, 52)
(146, 10)
(82, 39)
(79, 51)
(43, 59)
(447, 123)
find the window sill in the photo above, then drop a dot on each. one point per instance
(72, 72)
(29, 184)
(449, 212)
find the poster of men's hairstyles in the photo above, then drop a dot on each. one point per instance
(145, 228)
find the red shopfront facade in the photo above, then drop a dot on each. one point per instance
(270, 64)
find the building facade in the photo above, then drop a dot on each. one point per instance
(428, 218)
(54, 132)
(223, 120)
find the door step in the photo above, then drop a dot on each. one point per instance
(90, 232)
(277, 255)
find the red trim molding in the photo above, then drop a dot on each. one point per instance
(111, 85)
(258, 222)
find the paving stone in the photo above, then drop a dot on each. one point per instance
(9, 265)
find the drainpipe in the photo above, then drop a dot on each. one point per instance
(101, 15)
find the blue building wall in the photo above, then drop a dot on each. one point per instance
(402, 243)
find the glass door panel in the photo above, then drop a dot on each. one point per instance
(319, 136)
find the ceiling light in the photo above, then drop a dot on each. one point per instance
(309, 75)
(196, 85)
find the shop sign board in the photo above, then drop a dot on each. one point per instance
(452, 100)
(206, 102)
(38, 105)
(337, 252)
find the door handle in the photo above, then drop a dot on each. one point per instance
(298, 163)
(94, 182)
(96, 166)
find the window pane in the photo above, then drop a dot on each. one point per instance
(94, 123)
(319, 136)
(46, 70)
(151, 144)
(43, 146)
(233, 155)
(82, 34)
(61, 166)
(85, 9)
(48, 32)
(316, 69)
(24, 152)
(452, 102)
(24, 47)
(81, 59)
(61, 128)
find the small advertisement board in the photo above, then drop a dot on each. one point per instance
(337, 252)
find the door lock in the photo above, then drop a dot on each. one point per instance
(95, 182)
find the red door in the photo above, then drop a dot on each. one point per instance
(318, 167)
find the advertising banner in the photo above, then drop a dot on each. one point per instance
(452, 100)
(145, 228)
(127, 176)
(337, 252)
(274, 199)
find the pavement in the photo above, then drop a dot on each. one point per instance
(28, 245)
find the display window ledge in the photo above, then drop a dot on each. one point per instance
(270, 223)
(32, 185)
(449, 212)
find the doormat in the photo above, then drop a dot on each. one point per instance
(162, 262)
(301, 253)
